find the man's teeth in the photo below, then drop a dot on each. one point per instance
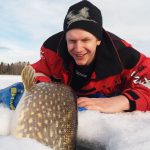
(80, 55)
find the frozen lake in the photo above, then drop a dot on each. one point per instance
(6, 80)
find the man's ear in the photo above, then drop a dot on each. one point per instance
(98, 42)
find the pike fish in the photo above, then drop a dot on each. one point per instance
(47, 113)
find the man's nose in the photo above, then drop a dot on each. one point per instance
(78, 46)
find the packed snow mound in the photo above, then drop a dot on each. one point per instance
(120, 131)
(10, 142)
(5, 120)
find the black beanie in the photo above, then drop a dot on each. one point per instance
(84, 15)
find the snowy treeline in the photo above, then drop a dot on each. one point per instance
(13, 68)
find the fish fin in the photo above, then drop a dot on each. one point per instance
(28, 77)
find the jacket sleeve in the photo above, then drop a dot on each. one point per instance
(137, 85)
(48, 65)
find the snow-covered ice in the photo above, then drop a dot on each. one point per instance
(121, 131)
(6, 80)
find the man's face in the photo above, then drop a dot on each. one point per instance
(81, 46)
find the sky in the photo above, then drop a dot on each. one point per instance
(26, 24)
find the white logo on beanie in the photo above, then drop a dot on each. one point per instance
(83, 14)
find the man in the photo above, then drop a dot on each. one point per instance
(106, 73)
(95, 63)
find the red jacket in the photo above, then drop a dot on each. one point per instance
(119, 69)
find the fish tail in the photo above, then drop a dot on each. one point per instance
(27, 76)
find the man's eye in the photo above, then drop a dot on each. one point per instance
(72, 41)
(85, 40)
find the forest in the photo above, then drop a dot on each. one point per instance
(12, 68)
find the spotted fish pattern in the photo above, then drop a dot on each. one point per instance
(47, 112)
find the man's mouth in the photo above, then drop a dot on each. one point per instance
(79, 56)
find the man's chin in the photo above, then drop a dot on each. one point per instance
(80, 63)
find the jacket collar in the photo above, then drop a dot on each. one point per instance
(107, 58)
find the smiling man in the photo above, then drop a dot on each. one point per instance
(106, 73)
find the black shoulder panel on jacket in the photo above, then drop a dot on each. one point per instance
(128, 55)
(53, 41)
(58, 43)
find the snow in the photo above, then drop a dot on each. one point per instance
(6, 80)
(120, 131)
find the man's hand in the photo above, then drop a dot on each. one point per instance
(105, 105)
